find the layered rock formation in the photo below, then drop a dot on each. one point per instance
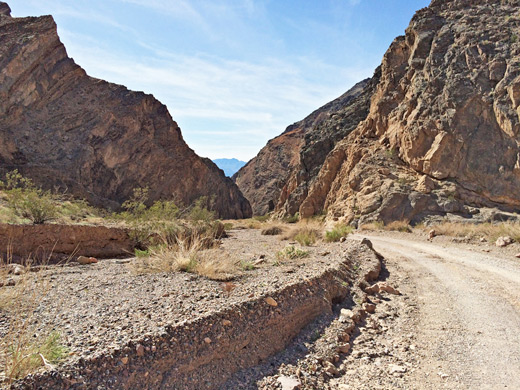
(442, 133)
(279, 176)
(94, 139)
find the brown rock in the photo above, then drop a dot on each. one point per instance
(330, 368)
(94, 139)
(431, 234)
(139, 349)
(124, 360)
(271, 302)
(226, 322)
(369, 307)
(4, 9)
(344, 348)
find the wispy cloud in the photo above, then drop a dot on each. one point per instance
(219, 97)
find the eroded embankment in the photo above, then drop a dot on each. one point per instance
(204, 353)
(41, 241)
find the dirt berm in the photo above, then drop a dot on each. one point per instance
(206, 352)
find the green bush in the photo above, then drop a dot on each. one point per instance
(27, 200)
(293, 218)
(339, 231)
(307, 236)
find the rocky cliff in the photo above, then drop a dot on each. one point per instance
(278, 178)
(94, 139)
(442, 132)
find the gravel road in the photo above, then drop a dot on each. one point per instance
(467, 325)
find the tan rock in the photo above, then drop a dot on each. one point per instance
(139, 349)
(504, 241)
(344, 348)
(330, 368)
(226, 322)
(125, 360)
(369, 307)
(271, 302)
(86, 260)
(207, 340)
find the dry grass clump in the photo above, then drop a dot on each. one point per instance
(291, 252)
(399, 226)
(272, 230)
(24, 347)
(491, 231)
(306, 233)
(193, 255)
(339, 231)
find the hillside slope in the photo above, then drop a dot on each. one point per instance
(91, 138)
(441, 135)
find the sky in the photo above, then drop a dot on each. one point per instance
(233, 73)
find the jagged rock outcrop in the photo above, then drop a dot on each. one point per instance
(278, 178)
(442, 134)
(94, 139)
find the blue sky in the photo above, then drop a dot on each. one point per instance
(233, 73)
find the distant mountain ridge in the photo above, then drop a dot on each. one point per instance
(230, 166)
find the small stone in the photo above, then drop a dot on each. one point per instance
(346, 313)
(125, 360)
(369, 307)
(503, 241)
(387, 288)
(367, 242)
(344, 348)
(18, 270)
(289, 383)
(394, 368)
(432, 233)
(139, 349)
(343, 239)
(443, 375)
(10, 282)
(330, 368)
(517, 255)
(271, 302)
(83, 260)
(207, 340)
(226, 322)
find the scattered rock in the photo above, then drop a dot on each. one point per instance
(124, 360)
(367, 242)
(207, 340)
(139, 349)
(504, 241)
(226, 322)
(394, 368)
(271, 302)
(431, 234)
(344, 348)
(369, 307)
(330, 368)
(83, 260)
(289, 383)
(517, 255)
(382, 286)
(343, 239)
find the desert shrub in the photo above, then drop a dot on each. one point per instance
(189, 254)
(291, 252)
(228, 226)
(490, 231)
(292, 218)
(400, 226)
(247, 265)
(372, 226)
(306, 236)
(272, 231)
(262, 218)
(27, 200)
(339, 231)
(200, 213)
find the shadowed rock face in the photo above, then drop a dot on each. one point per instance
(442, 130)
(278, 178)
(94, 139)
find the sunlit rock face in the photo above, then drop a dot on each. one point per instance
(442, 128)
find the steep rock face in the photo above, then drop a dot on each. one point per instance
(442, 132)
(278, 178)
(94, 139)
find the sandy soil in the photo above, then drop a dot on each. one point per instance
(455, 326)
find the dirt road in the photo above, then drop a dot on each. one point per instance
(463, 313)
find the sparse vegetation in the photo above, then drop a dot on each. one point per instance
(400, 226)
(372, 226)
(306, 236)
(24, 346)
(293, 218)
(291, 252)
(339, 231)
(490, 231)
(262, 218)
(272, 230)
